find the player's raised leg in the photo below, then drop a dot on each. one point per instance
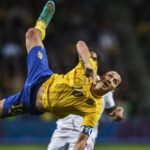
(34, 36)
(45, 17)
(18, 103)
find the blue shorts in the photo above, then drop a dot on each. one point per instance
(38, 73)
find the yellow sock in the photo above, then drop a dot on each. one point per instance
(41, 26)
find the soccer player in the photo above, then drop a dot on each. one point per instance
(77, 92)
(68, 128)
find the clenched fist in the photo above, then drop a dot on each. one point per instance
(117, 114)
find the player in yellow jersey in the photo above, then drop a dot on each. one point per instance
(77, 92)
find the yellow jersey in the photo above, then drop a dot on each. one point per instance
(70, 94)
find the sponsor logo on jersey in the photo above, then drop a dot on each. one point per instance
(40, 55)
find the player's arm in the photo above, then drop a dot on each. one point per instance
(89, 122)
(84, 54)
(83, 137)
(117, 113)
(81, 142)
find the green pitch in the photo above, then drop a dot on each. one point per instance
(23, 147)
(122, 147)
(98, 147)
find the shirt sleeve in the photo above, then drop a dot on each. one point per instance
(93, 63)
(109, 100)
(91, 120)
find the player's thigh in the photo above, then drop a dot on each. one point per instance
(13, 106)
(37, 64)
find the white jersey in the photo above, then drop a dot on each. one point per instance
(68, 128)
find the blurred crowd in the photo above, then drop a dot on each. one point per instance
(117, 30)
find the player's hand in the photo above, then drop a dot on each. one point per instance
(90, 73)
(117, 114)
(85, 55)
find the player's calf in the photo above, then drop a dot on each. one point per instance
(45, 17)
(34, 36)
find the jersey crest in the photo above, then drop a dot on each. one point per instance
(90, 102)
(40, 55)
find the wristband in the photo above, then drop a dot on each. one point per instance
(86, 130)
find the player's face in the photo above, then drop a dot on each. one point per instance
(108, 82)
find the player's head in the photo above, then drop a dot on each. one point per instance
(108, 82)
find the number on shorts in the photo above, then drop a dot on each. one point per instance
(15, 110)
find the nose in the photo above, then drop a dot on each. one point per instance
(112, 78)
(109, 81)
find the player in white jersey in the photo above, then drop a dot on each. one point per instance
(68, 128)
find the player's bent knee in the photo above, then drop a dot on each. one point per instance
(29, 33)
(32, 33)
(33, 38)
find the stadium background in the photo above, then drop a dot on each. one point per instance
(117, 29)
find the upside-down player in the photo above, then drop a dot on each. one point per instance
(68, 128)
(77, 92)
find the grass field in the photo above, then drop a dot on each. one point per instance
(98, 147)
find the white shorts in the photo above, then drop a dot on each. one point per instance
(67, 143)
(68, 130)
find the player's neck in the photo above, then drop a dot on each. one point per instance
(94, 93)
